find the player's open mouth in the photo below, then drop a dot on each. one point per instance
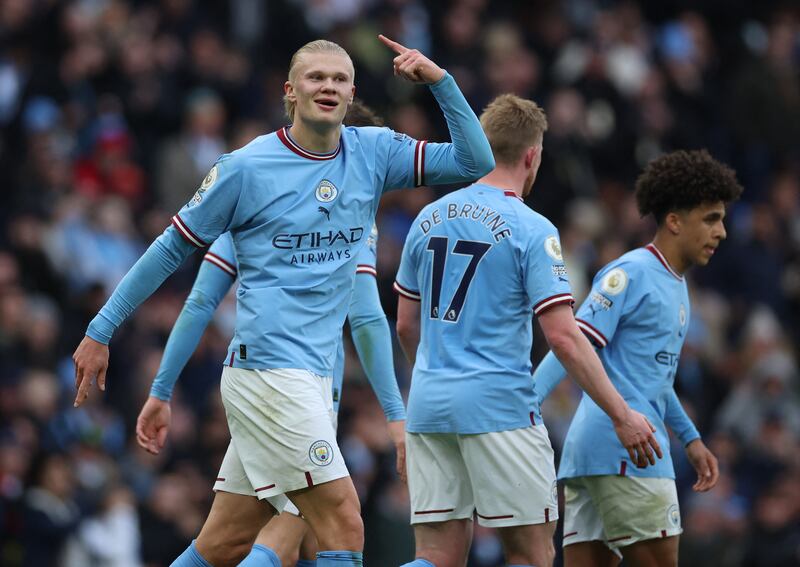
(710, 250)
(326, 104)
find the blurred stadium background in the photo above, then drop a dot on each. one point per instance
(112, 111)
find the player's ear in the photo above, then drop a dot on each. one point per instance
(673, 223)
(530, 156)
(288, 90)
(352, 95)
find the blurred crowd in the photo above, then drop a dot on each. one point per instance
(112, 111)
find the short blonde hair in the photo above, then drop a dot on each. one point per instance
(511, 125)
(316, 46)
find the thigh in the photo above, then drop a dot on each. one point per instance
(232, 478)
(662, 552)
(280, 423)
(333, 512)
(445, 544)
(234, 521)
(635, 509)
(529, 544)
(583, 525)
(513, 476)
(589, 554)
(438, 482)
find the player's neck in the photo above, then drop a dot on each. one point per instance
(670, 248)
(505, 179)
(317, 140)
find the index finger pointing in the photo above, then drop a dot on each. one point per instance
(393, 45)
(83, 389)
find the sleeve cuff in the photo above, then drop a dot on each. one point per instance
(552, 301)
(366, 269)
(592, 333)
(440, 83)
(160, 393)
(405, 292)
(101, 329)
(221, 263)
(689, 436)
(396, 415)
(187, 234)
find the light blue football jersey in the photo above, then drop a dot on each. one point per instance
(298, 222)
(481, 263)
(223, 255)
(638, 314)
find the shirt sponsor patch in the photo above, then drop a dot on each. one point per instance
(559, 270)
(601, 300)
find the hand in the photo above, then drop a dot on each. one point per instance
(152, 425)
(397, 431)
(91, 359)
(413, 65)
(705, 463)
(636, 434)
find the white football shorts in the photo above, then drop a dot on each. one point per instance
(507, 478)
(619, 510)
(282, 433)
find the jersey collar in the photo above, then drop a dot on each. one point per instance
(661, 258)
(512, 194)
(285, 137)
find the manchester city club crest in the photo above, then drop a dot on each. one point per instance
(321, 453)
(326, 191)
(682, 315)
(674, 516)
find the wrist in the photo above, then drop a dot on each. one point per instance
(100, 329)
(619, 410)
(691, 441)
(160, 394)
(438, 82)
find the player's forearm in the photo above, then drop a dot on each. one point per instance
(469, 155)
(584, 366)
(548, 375)
(209, 288)
(159, 261)
(408, 337)
(374, 345)
(373, 342)
(678, 421)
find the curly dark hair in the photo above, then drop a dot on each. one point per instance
(683, 180)
(359, 114)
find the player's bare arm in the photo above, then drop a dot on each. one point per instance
(412, 65)
(408, 327)
(582, 363)
(397, 433)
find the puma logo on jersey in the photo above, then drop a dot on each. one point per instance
(325, 212)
